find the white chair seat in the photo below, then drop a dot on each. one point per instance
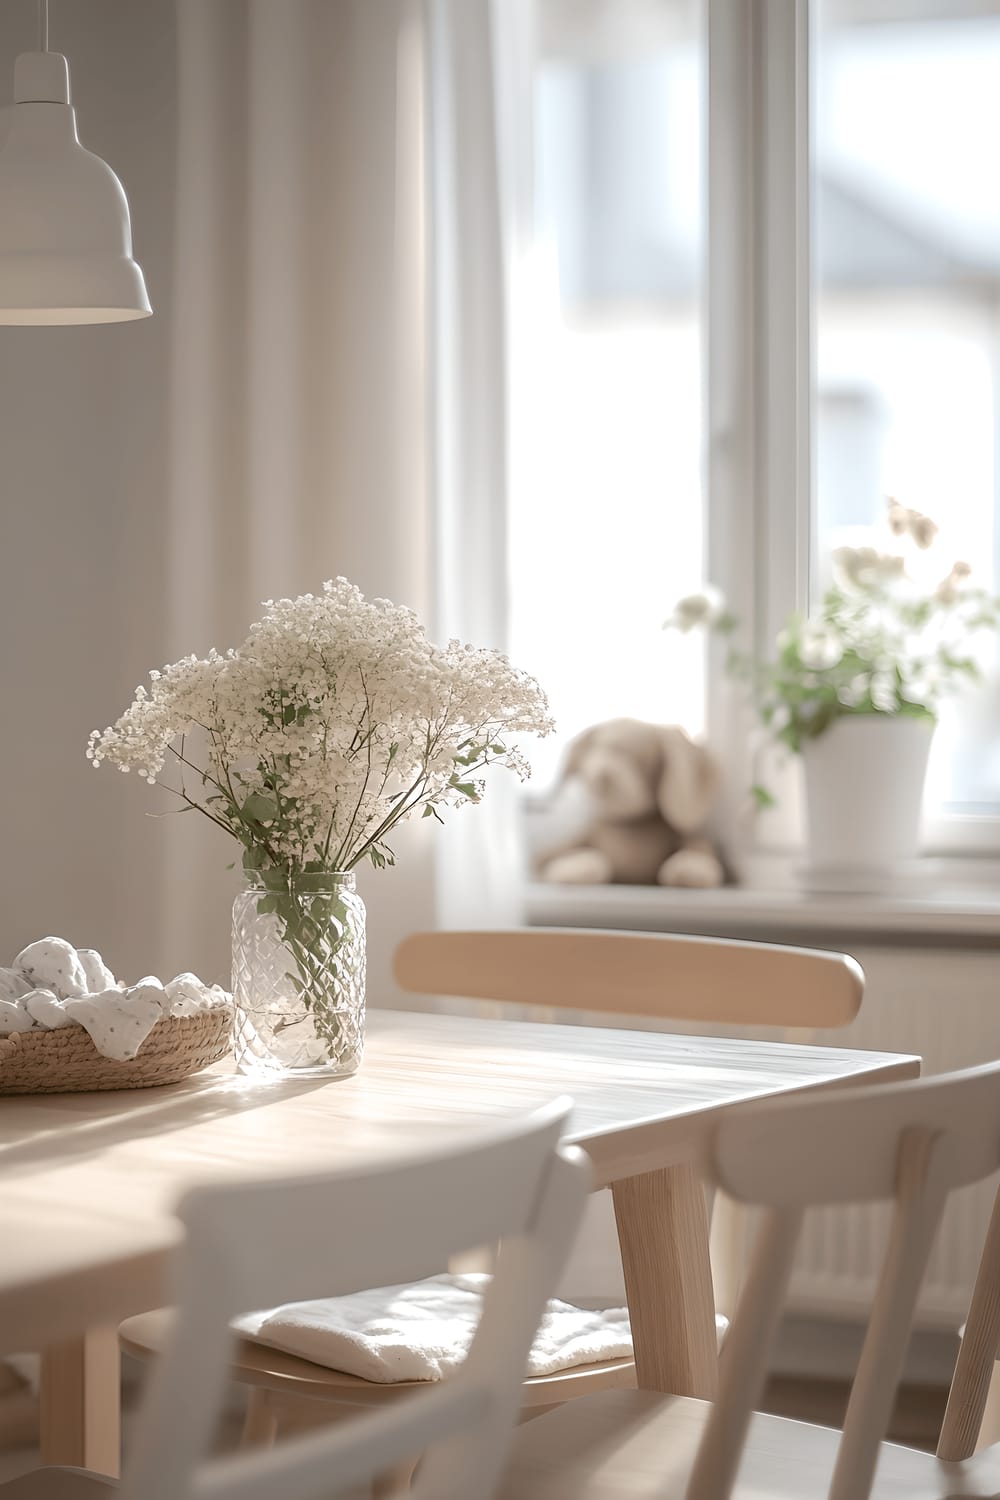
(630, 1445)
(253, 1364)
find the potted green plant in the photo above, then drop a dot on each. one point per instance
(855, 689)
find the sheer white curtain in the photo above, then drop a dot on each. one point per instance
(339, 375)
(477, 178)
(272, 425)
(297, 446)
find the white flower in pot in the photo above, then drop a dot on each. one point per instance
(855, 688)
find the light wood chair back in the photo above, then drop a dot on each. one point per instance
(716, 980)
(706, 980)
(256, 1245)
(912, 1143)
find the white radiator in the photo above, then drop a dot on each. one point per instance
(943, 1004)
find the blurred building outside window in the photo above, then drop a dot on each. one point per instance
(607, 519)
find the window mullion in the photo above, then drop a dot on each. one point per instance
(783, 297)
(758, 392)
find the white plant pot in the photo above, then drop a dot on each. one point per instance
(864, 782)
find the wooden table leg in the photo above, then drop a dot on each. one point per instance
(663, 1233)
(80, 1403)
(18, 1410)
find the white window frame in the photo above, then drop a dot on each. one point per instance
(759, 349)
(758, 308)
(760, 379)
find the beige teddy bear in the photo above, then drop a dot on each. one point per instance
(649, 792)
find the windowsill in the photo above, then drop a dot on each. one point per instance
(942, 915)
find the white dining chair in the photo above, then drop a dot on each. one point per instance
(251, 1245)
(636, 974)
(911, 1143)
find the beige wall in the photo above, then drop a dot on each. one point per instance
(114, 559)
(82, 590)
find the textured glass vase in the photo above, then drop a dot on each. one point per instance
(299, 975)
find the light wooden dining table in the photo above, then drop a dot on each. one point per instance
(88, 1182)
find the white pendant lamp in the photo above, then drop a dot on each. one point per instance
(65, 235)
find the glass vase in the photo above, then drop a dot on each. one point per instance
(299, 975)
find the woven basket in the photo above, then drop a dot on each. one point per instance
(65, 1060)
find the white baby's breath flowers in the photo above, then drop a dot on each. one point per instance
(334, 720)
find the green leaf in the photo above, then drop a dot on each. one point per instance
(762, 797)
(259, 808)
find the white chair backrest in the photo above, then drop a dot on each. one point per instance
(252, 1245)
(717, 980)
(910, 1142)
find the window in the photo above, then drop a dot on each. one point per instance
(608, 509)
(732, 404)
(906, 110)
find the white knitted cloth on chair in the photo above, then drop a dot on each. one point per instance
(422, 1331)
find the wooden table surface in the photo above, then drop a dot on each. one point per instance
(88, 1181)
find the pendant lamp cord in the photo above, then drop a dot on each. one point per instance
(43, 25)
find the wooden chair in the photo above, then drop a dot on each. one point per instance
(711, 980)
(673, 978)
(912, 1143)
(984, 1377)
(667, 977)
(253, 1245)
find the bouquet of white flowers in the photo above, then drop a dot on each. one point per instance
(334, 720)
